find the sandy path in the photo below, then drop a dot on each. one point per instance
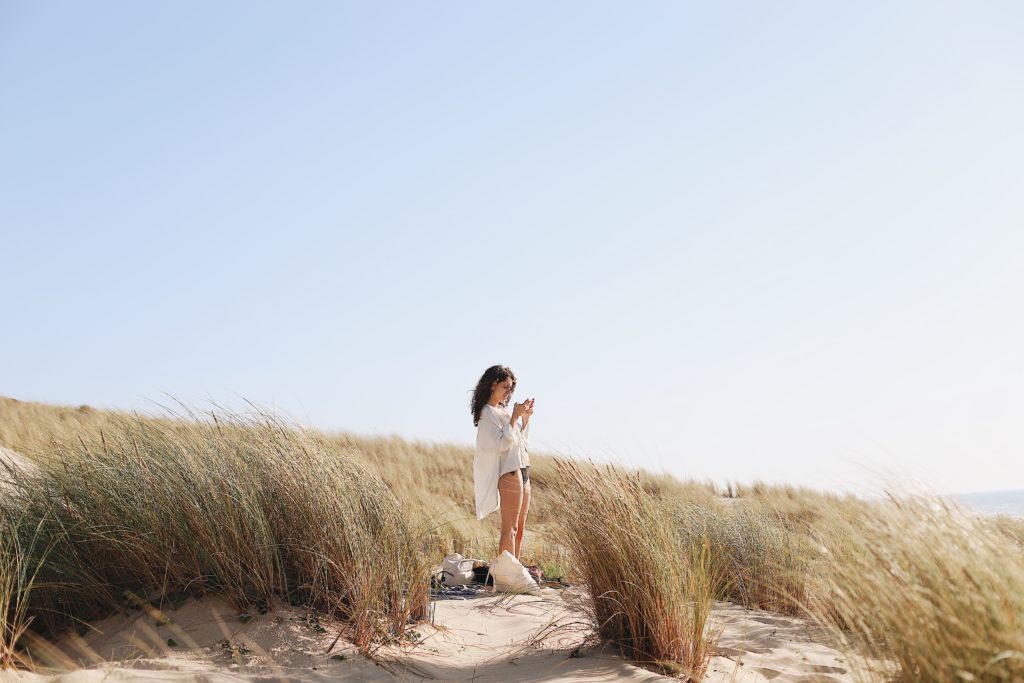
(491, 638)
(514, 638)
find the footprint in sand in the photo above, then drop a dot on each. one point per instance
(766, 672)
(823, 669)
(773, 621)
(816, 677)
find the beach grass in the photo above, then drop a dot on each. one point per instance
(22, 554)
(649, 594)
(936, 592)
(248, 508)
(760, 562)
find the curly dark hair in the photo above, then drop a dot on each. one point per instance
(482, 393)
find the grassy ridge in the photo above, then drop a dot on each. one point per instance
(251, 510)
(256, 510)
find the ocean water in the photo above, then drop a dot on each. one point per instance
(995, 502)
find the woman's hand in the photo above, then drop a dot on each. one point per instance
(518, 410)
(528, 410)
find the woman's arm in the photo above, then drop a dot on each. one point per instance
(494, 434)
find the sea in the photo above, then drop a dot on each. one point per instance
(994, 502)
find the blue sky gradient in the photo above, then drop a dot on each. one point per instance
(741, 241)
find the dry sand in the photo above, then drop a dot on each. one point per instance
(11, 465)
(493, 638)
(762, 646)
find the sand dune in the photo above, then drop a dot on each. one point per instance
(492, 638)
(12, 462)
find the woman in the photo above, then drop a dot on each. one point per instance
(501, 467)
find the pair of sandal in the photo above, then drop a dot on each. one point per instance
(538, 575)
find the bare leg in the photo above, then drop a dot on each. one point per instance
(521, 522)
(510, 491)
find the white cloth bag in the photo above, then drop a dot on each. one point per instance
(457, 569)
(511, 576)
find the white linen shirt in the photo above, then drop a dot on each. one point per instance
(500, 447)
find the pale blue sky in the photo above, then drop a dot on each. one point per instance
(776, 241)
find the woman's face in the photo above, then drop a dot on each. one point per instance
(501, 391)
